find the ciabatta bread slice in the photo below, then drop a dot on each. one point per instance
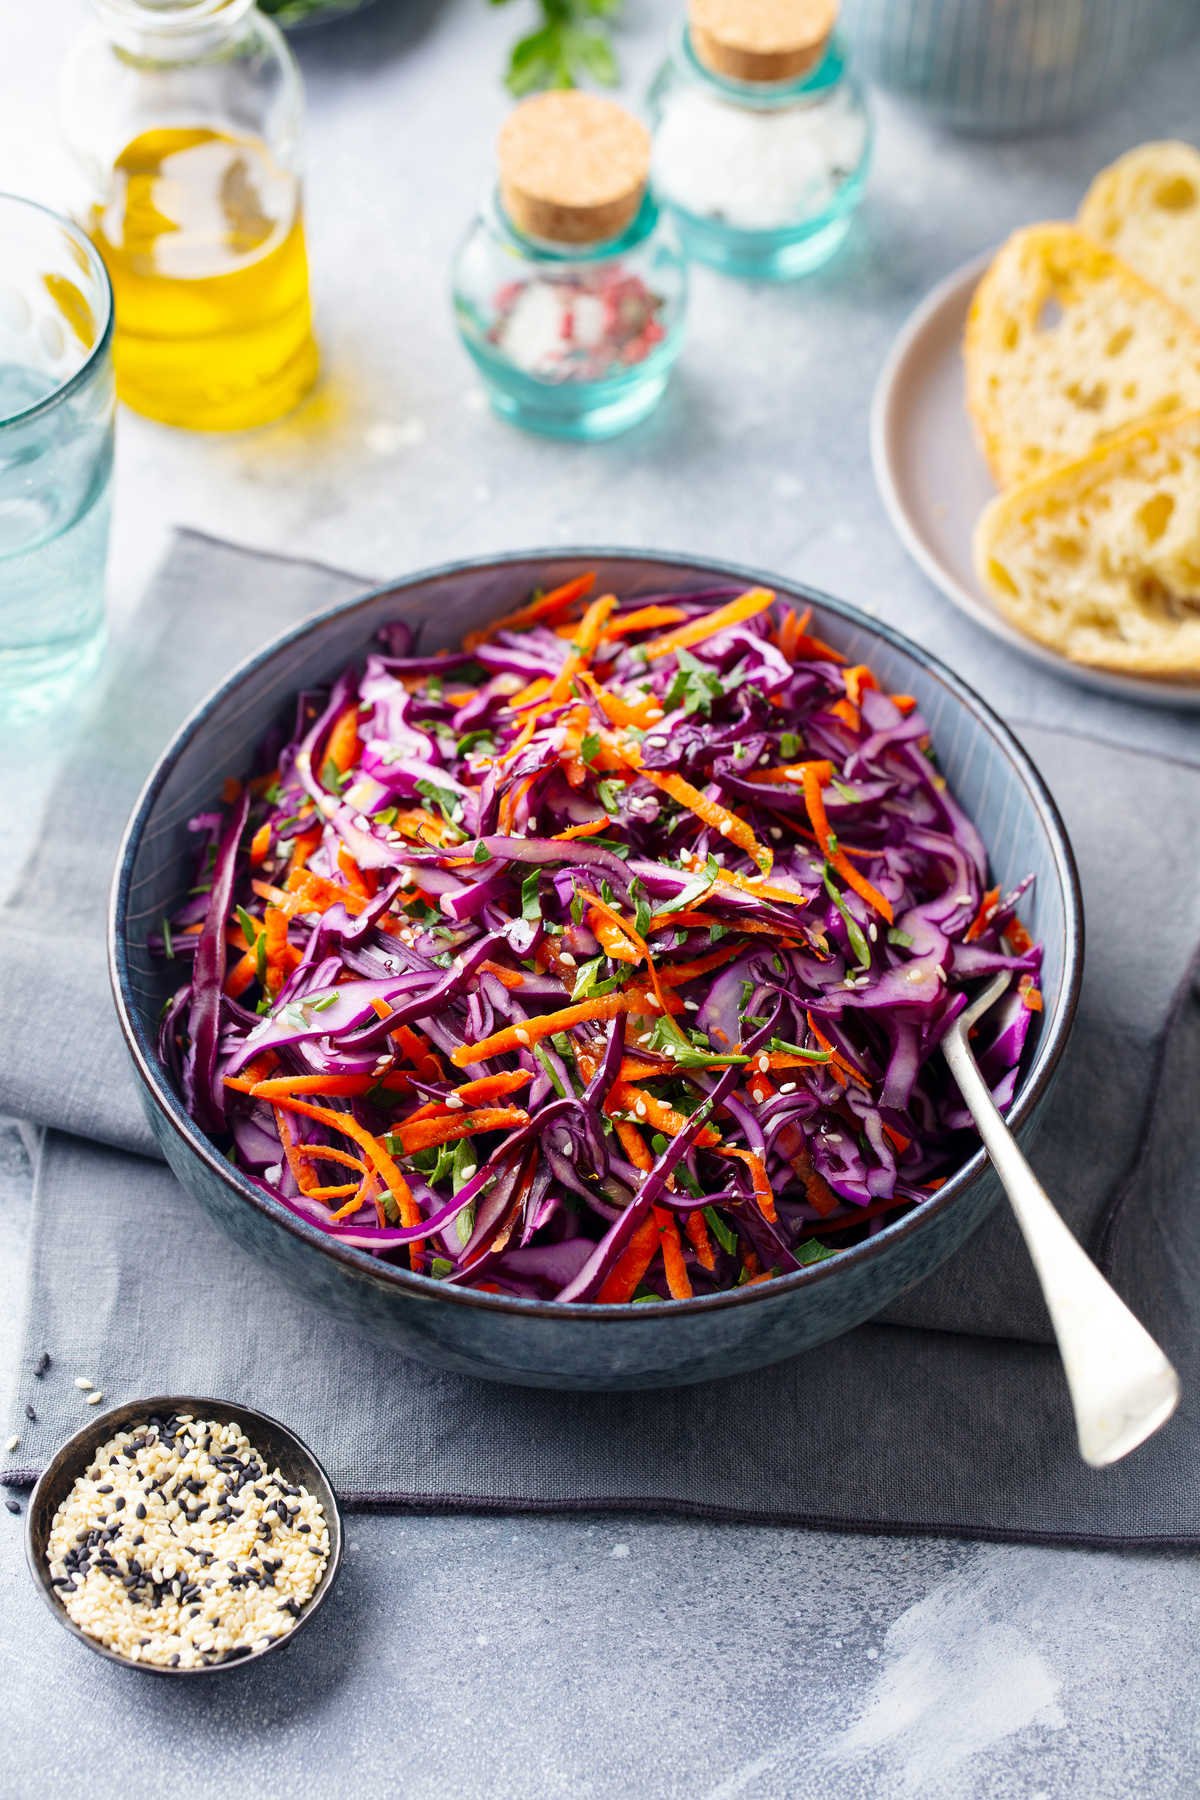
(1145, 208)
(1065, 347)
(1100, 558)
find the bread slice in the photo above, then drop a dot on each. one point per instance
(1066, 346)
(1100, 559)
(1145, 208)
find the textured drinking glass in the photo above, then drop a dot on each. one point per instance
(56, 452)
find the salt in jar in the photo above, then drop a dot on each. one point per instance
(762, 137)
(570, 290)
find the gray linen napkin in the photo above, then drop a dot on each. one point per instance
(952, 1417)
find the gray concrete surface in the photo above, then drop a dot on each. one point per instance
(604, 1657)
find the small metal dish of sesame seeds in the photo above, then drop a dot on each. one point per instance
(162, 1431)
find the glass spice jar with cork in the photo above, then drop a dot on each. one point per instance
(762, 137)
(569, 289)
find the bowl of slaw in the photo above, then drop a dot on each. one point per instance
(764, 1271)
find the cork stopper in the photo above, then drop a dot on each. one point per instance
(761, 40)
(573, 167)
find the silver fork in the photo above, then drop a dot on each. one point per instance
(1122, 1386)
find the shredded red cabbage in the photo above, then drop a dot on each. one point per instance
(603, 959)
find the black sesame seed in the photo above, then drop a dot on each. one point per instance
(119, 1503)
(140, 1510)
(30, 1414)
(43, 1363)
(14, 1506)
(174, 1662)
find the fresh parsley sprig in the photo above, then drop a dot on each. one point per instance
(571, 44)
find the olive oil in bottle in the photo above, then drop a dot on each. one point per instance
(185, 120)
(203, 238)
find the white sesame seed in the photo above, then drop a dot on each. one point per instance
(775, 832)
(787, 1087)
(640, 1108)
(81, 1381)
(94, 1399)
(764, 1063)
(566, 959)
(725, 828)
(12, 1442)
(691, 1006)
(469, 1172)
(455, 1102)
(521, 1036)
(653, 1002)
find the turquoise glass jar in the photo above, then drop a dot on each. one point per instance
(575, 335)
(762, 177)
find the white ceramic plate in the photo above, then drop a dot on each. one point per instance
(934, 482)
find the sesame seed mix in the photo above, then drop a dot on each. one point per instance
(177, 1546)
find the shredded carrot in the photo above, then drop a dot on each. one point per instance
(584, 642)
(631, 936)
(817, 1191)
(704, 921)
(260, 843)
(673, 975)
(790, 773)
(508, 978)
(675, 1268)
(380, 1156)
(335, 1087)
(816, 648)
(281, 957)
(590, 829)
(1018, 938)
(658, 1114)
(231, 791)
(1031, 996)
(328, 1153)
(904, 703)
(418, 1052)
(837, 857)
(427, 1134)
(847, 712)
(699, 1239)
(856, 679)
(622, 1280)
(535, 613)
(758, 1171)
(643, 618)
(343, 748)
(634, 1145)
(838, 1063)
(241, 975)
(627, 714)
(734, 612)
(519, 1037)
(302, 848)
(987, 907)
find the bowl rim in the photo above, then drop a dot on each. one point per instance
(169, 1105)
(78, 1451)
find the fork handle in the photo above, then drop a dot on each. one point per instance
(1122, 1386)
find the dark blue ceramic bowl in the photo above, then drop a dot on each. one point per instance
(541, 1343)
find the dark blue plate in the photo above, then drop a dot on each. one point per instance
(541, 1343)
